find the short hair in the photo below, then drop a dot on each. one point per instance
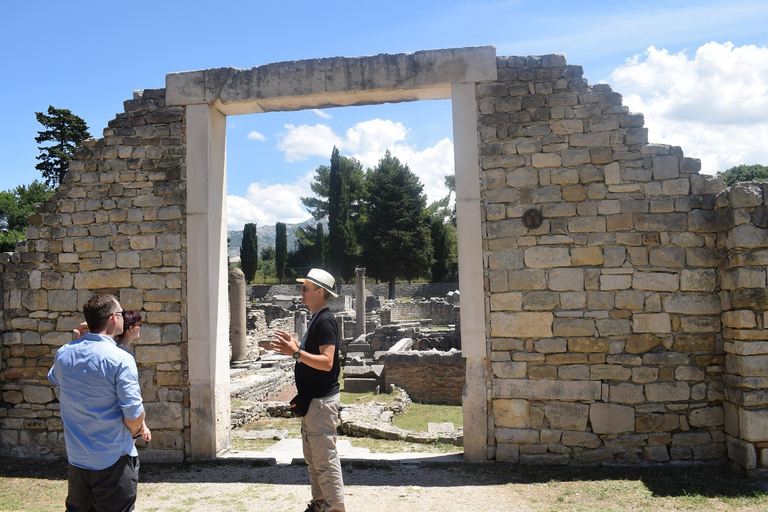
(98, 309)
(326, 294)
(131, 318)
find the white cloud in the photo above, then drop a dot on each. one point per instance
(367, 142)
(714, 105)
(266, 204)
(322, 113)
(300, 142)
(254, 135)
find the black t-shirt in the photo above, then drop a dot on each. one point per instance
(323, 330)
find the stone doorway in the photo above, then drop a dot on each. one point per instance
(211, 95)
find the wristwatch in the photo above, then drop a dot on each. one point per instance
(297, 354)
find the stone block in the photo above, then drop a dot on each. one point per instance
(587, 225)
(668, 391)
(656, 453)
(753, 424)
(656, 281)
(587, 256)
(652, 323)
(615, 282)
(157, 354)
(507, 453)
(657, 423)
(566, 279)
(37, 394)
(626, 393)
(581, 439)
(609, 372)
(741, 319)
(509, 369)
(611, 418)
(566, 416)
(741, 452)
(510, 301)
(546, 257)
(706, 417)
(573, 372)
(511, 413)
(100, 279)
(517, 435)
(641, 343)
(665, 167)
(164, 415)
(569, 327)
(527, 279)
(546, 389)
(550, 345)
(521, 325)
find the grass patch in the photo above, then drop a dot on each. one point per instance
(418, 416)
(358, 398)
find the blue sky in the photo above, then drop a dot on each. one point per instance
(698, 70)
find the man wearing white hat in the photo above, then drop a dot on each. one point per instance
(317, 381)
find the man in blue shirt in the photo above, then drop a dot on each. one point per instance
(102, 412)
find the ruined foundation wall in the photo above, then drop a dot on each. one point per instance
(428, 377)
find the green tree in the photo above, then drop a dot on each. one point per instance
(16, 206)
(66, 130)
(443, 234)
(740, 173)
(249, 252)
(318, 253)
(396, 241)
(281, 250)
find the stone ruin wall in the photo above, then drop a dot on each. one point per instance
(428, 377)
(605, 334)
(629, 327)
(116, 224)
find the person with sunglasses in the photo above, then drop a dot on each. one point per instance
(317, 382)
(102, 411)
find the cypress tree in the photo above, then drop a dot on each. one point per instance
(249, 252)
(281, 250)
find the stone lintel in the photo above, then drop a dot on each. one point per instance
(333, 82)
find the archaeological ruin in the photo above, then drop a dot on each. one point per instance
(613, 299)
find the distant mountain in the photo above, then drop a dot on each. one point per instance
(266, 236)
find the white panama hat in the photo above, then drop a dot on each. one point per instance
(321, 278)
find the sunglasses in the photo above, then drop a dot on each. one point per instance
(305, 289)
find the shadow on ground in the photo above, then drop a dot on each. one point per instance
(669, 481)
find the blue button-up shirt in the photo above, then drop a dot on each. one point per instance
(99, 387)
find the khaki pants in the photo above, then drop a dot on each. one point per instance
(318, 434)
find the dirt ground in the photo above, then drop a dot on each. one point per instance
(372, 487)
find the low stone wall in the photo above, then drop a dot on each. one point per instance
(438, 311)
(266, 291)
(428, 377)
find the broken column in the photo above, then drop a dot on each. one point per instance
(237, 319)
(360, 302)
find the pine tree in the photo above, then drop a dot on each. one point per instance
(249, 252)
(67, 131)
(396, 242)
(281, 250)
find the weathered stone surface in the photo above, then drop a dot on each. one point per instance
(545, 257)
(706, 417)
(511, 413)
(546, 389)
(611, 418)
(521, 325)
(566, 416)
(668, 391)
(651, 323)
(509, 369)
